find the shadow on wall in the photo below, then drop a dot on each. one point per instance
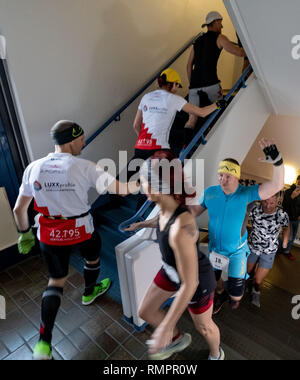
(147, 47)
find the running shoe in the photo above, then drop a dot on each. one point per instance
(255, 298)
(219, 301)
(99, 289)
(42, 351)
(220, 357)
(182, 342)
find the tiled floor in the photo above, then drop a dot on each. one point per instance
(99, 332)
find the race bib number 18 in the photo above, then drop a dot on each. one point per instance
(219, 262)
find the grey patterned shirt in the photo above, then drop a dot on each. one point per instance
(266, 228)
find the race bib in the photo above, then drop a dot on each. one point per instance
(61, 232)
(219, 262)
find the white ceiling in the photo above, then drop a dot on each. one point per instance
(266, 29)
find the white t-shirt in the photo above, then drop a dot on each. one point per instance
(159, 110)
(59, 184)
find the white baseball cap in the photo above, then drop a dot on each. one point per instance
(212, 16)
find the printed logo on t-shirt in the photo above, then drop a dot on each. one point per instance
(37, 186)
(56, 186)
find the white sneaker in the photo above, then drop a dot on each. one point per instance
(182, 342)
(220, 357)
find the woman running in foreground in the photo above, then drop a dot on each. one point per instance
(185, 271)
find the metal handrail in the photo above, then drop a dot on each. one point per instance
(116, 115)
(199, 136)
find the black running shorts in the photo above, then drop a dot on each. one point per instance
(57, 257)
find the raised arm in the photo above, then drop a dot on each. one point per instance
(226, 44)
(273, 156)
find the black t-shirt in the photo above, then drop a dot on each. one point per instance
(206, 57)
(207, 281)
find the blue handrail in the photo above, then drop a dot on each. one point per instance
(117, 114)
(199, 136)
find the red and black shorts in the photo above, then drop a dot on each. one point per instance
(200, 302)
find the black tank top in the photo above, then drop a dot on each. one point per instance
(206, 58)
(207, 282)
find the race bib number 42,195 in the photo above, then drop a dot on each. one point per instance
(61, 232)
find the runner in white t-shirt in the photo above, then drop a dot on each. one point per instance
(59, 185)
(156, 113)
(154, 119)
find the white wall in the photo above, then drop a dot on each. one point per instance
(284, 130)
(267, 28)
(82, 59)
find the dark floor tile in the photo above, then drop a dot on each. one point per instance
(79, 339)
(22, 353)
(10, 304)
(38, 276)
(73, 294)
(120, 354)
(71, 320)
(33, 312)
(142, 336)
(16, 286)
(27, 330)
(76, 280)
(68, 288)
(128, 327)
(3, 351)
(5, 278)
(36, 289)
(106, 342)
(66, 304)
(136, 348)
(13, 319)
(118, 333)
(16, 273)
(34, 264)
(90, 310)
(21, 298)
(91, 352)
(66, 349)
(57, 336)
(11, 340)
(113, 308)
(96, 325)
(55, 355)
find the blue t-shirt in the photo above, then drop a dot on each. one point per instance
(227, 217)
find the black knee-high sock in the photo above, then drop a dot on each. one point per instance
(50, 305)
(91, 273)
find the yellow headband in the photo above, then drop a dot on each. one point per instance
(230, 168)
